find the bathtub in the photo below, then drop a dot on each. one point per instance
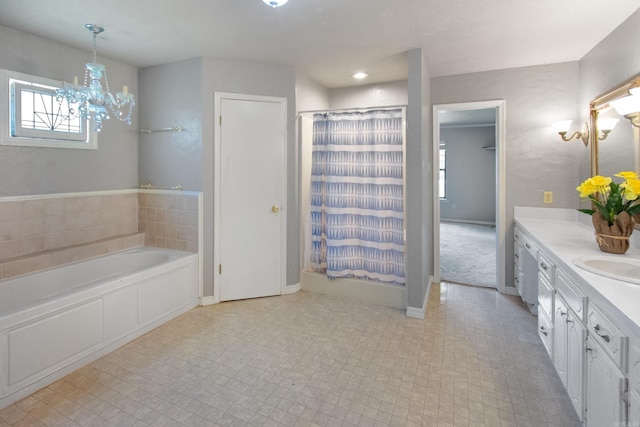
(55, 321)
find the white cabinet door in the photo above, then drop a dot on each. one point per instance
(634, 409)
(576, 351)
(560, 338)
(517, 265)
(605, 389)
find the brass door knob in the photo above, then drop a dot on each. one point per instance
(275, 208)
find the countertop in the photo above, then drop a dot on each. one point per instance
(562, 237)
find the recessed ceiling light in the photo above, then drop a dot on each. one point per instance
(360, 75)
(275, 3)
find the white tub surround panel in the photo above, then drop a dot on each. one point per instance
(57, 325)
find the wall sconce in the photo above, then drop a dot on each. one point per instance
(563, 126)
(605, 125)
(629, 106)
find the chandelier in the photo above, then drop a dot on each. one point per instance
(91, 101)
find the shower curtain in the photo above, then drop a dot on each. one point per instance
(357, 195)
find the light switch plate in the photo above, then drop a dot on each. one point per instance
(548, 197)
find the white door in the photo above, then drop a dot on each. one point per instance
(250, 228)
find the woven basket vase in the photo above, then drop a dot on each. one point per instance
(613, 239)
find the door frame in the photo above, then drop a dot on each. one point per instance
(217, 165)
(501, 229)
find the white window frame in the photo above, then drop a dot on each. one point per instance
(10, 113)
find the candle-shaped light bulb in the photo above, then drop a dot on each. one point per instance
(125, 90)
(75, 80)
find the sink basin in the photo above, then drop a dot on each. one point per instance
(625, 269)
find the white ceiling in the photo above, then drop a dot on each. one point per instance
(329, 40)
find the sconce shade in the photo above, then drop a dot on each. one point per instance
(562, 126)
(627, 105)
(606, 124)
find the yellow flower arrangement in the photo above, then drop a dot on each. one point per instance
(609, 198)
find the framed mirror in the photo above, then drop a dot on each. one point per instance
(618, 150)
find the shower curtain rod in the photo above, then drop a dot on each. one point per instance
(338, 110)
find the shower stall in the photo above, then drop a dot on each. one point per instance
(352, 203)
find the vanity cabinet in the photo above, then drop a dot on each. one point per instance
(597, 360)
(526, 269)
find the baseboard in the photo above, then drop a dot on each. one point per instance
(469, 221)
(419, 313)
(510, 290)
(292, 289)
(209, 300)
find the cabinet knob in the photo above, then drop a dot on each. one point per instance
(528, 246)
(543, 331)
(596, 329)
(543, 266)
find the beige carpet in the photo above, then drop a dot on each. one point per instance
(468, 254)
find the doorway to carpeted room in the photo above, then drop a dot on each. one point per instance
(468, 253)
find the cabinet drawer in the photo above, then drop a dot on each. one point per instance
(517, 281)
(528, 245)
(574, 298)
(614, 342)
(545, 296)
(517, 234)
(545, 332)
(517, 256)
(546, 267)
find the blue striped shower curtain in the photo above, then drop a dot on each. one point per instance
(357, 196)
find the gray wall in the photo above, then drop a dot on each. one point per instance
(183, 93)
(254, 79)
(30, 170)
(380, 95)
(419, 179)
(613, 61)
(172, 95)
(310, 95)
(536, 159)
(470, 174)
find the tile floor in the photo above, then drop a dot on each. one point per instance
(308, 359)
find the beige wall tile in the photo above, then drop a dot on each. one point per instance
(74, 205)
(32, 245)
(10, 249)
(10, 230)
(10, 210)
(32, 208)
(55, 224)
(53, 241)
